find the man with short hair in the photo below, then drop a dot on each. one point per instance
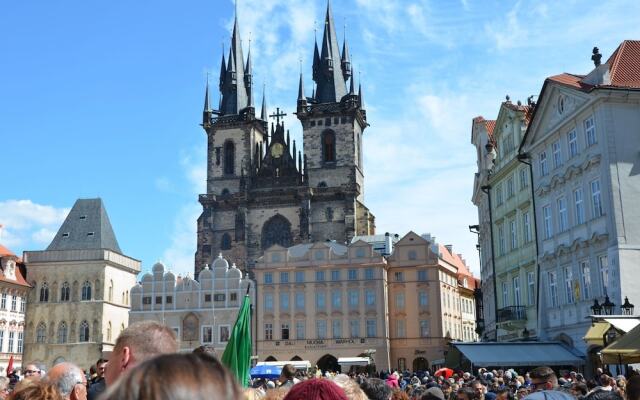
(288, 376)
(69, 380)
(97, 385)
(376, 389)
(479, 389)
(543, 378)
(139, 342)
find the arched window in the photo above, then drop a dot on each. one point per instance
(84, 331)
(44, 292)
(277, 230)
(229, 157)
(111, 290)
(86, 290)
(225, 243)
(126, 298)
(62, 332)
(109, 331)
(65, 292)
(322, 184)
(328, 146)
(41, 333)
(225, 192)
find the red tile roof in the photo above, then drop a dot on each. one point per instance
(490, 124)
(4, 252)
(20, 280)
(624, 65)
(571, 80)
(455, 260)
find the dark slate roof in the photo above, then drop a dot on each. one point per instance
(87, 227)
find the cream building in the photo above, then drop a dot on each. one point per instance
(200, 312)
(322, 301)
(431, 302)
(13, 299)
(80, 298)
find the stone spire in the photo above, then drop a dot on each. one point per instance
(302, 101)
(263, 112)
(206, 112)
(328, 75)
(235, 91)
(346, 60)
(223, 71)
(248, 79)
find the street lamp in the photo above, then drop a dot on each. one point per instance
(627, 308)
(596, 308)
(608, 306)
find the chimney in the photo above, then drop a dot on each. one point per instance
(449, 247)
(388, 244)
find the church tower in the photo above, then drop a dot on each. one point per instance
(333, 121)
(234, 132)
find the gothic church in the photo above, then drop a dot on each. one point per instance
(263, 191)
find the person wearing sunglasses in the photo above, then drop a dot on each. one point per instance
(33, 371)
(543, 378)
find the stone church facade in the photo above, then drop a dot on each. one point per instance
(261, 189)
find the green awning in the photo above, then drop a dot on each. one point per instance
(625, 350)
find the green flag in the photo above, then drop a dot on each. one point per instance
(237, 354)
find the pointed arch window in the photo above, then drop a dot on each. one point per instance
(86, 291)
(277, 230)
(44, 293)
(225, 243)
(111, 290)
(41, 333)
(109, 332)
(328, 146)
(229, 158)
(63, 331)
(65, 292)
(84, 331)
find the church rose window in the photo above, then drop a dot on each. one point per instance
(229, 157)
(329, 146)
(276, 230)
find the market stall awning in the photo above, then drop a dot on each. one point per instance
(595, 334)
(516, 354)
(625, 350)
(349, 361)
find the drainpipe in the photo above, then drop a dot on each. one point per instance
(523, 157)
(487, 189)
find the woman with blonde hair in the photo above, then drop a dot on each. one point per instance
(36, 391)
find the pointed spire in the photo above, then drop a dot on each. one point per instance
(294, 153)
(346, 58)
(352, 90)
(300, 161)
(288, 138)
(207, 105)
(329, 77)
(301, 89)
(360, 98)
(235, 91)
(263, 113)
(316, 61)
(223, 70)
(248, 79)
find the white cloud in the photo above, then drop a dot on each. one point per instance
(28, 225)
(179, 256)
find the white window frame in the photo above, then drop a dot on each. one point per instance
(572, 143)
(513, 228)
(603, 268)
(590, 131)
(563, 217)
(517, 300)
(585, 272)
(202, 333)
(548, 221)
(542, 162)
(531, 287)
(568, 285)
(552, 279)
(526, 226)
(578, 201)
(220, 327)
(596, 199)
(556, 150)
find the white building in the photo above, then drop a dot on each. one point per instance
(200, 312)
(14, 290)
(584, 146)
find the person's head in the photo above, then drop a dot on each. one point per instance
(579, 389)
(522, 392)
(176, 376)
(100, 367)
(376, 389)
(433, 393)
(396, 394)
(4, 387)
(632, 389)
(478, 389)
(316, 389)
(40, 390)
(465, 393)
(350, 387)
(206, 349)
(603, 395)
(503, 393)
(288, 373)
(543, 378)
(139, 342)
(70, 381)
(33, 370)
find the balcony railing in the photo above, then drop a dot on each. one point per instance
(512, 313)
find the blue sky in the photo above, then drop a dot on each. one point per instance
(104, 98)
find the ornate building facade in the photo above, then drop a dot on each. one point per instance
(322, 301)
(80, 298)
(200, 312)
(261, 189)
(14, 290)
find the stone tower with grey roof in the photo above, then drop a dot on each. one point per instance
(261, 189)
(80, 298)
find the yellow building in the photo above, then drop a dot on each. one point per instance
(430, 302)
(321, 302)
(80, 297)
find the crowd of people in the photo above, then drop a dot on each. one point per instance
(145, 364)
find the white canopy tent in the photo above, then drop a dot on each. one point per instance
(351, 361)
(304, 365)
